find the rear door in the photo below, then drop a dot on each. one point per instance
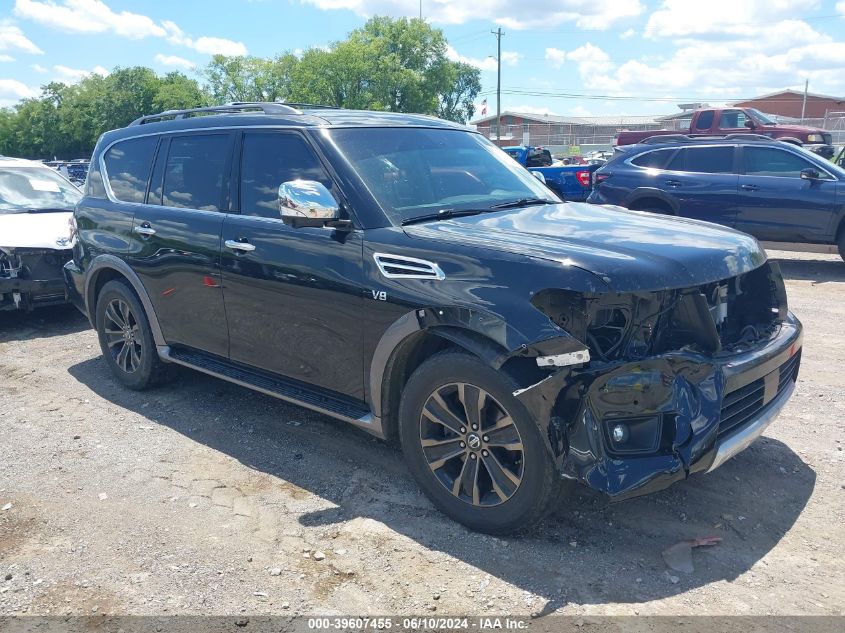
(703, 181)
(175, 246)
(777, 204)
(294, 297)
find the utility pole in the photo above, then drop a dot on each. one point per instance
(420, 9)
(804, 105)
(498, 33)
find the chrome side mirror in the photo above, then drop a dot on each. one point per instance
(539, 176)
(307, 203)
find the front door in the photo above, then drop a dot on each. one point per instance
(777, 204)
(293, 295)
(175, 248)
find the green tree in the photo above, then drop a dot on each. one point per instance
(398, 65)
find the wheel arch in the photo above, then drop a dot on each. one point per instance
(640, 198)
(106, 268)
(404, 347)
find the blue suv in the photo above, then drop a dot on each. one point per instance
(775, 191)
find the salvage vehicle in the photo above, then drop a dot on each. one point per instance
(569, 182)
(775, 191)
(402, 274)
(36, 206)
(722, 121)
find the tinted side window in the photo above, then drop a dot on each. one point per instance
(705, 160)
(128, 165)
(704, 121)
(768, 161)
(196, 172)
(270, 159)
(653, 160)
(731, 119)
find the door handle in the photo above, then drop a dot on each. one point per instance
(749, 187)
(246, 247)
(673, 183)
(145, 229)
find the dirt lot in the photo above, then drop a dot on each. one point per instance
(202, 497)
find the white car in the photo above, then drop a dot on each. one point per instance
(36, 207)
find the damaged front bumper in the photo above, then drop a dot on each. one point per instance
(30, 279)
(631, 428)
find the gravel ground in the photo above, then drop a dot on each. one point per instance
(204, 498)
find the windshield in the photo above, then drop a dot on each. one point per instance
(419, 171)
(760, 117)
(34, 189)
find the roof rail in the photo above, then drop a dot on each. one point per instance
(683, 138)
(666, 138)
(229, 108)
(741, 136)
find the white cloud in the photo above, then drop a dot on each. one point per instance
(628, 34)
(13, 39)
(38, 68)
(6, 58)
(12, 91)
(87, 16)
(95, 16)
(596, 14)
(509, 58)
(72, 75)
(172, 61)
(840, 6)
(591, 60)
(722, 70)
(206, 45)
(555, 57)
(682, 18)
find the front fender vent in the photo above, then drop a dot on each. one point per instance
(402, 267)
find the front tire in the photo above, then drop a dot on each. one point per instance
(472, 446)
(125, 337)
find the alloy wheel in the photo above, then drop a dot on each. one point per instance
(123, 335)
(471, 444)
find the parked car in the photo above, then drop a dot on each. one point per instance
(569, 181)
(722, 121)
(404, 275)
(775, 191)
(74, 170)
(36, 206)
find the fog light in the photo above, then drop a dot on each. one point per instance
(639, 434)
(620, 433)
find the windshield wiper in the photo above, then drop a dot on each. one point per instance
(46, 210)
(442, 215)
(522, 202)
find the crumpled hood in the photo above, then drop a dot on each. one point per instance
(629, 250)
(35, 230)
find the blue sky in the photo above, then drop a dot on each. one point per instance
(571, 57)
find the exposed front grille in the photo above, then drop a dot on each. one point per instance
(744, 404)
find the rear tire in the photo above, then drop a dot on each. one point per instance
(497, 476)
(125, 337)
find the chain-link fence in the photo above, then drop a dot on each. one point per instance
(564, 136)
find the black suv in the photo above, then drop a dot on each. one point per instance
(403, 274)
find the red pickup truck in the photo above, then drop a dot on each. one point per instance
(722, 121)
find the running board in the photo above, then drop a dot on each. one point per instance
(279, 387)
